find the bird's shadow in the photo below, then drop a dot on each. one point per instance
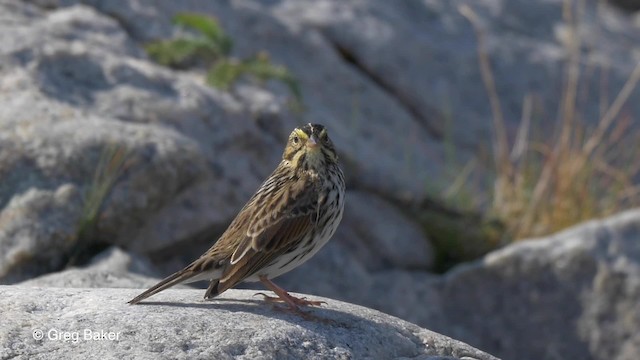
(308, 316)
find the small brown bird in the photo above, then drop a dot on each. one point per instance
(291, 216)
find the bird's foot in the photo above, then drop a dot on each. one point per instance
(284, 297)
(292, 301)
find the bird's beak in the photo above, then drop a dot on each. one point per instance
(312, 142)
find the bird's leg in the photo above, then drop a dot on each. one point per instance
(283, 296)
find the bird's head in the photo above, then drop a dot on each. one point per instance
(309, 146)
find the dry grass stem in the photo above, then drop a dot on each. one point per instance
(542, 187)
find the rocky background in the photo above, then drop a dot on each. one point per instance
(104, 152)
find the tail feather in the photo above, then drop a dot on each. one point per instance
(212, 290)
(171, 280)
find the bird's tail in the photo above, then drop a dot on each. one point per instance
(171, 280)
(212, 290)
(204, 268)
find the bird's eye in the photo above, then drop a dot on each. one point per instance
(296, 140)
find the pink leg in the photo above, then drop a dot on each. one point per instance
(283, 296)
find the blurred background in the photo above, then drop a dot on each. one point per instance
(472, 134)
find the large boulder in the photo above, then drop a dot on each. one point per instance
(573, 295)
(39, 323)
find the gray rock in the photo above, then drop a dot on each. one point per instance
(366, 122)
(414, 295)
(413, 62)
(112, 268)
(573, 295)
(381, 237)
(424, 54)
(333, 272)
(76, 89)
(35, 228)
(177, 324)
(53, 179)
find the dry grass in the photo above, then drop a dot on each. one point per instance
(581, 173)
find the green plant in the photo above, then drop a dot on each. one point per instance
(208, 44)
(112, 163)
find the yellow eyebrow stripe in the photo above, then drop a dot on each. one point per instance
(302, 134)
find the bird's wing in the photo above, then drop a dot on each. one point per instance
(290, 233)
(277, 224)
(269, 213)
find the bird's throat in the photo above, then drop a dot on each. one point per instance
(309, 159)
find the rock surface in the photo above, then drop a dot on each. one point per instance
(69, 102)
(178, 324)
(415, 63)
(573, 295)
(112, 268)
(425, 54)
(381, 237)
